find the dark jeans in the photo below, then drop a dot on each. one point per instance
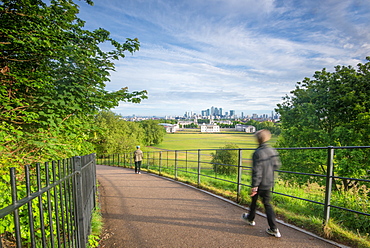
(266, 197)
(137, 166)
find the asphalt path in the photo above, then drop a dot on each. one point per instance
(147, 211)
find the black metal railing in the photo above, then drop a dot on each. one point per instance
(51, 204)
(198, 164)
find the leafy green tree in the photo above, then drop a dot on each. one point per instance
(333, 108)
(274, 128)
(115, 135)
(201, 121)
(225, 160)
(53, 76)
(153, 133)
(191, 125)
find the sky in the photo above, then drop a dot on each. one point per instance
(242, 55)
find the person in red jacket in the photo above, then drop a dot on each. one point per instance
(265, 161)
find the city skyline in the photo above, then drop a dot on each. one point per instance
(244, 55)
(204, 113)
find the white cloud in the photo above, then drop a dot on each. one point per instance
(234, 54)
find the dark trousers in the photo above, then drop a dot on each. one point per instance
(266, 197)
(137, 166)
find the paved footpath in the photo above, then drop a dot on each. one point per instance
(146, 211)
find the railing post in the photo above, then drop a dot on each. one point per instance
(176, 164)
(13, 183)
(130, 159)
(167, 159)
(329, 182)
(240, 161)
(160, 162)
(148, 161)
(199, 167)
(78, 202)
(186, 161)
(29, 205)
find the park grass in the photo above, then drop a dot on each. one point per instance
(192, 140)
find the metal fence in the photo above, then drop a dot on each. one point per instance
(51, 204)
(196, 166)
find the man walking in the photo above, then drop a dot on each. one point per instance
(138, 157)
(265, 161)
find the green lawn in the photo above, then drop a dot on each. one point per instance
(191, 140)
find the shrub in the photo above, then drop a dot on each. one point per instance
(225, 160)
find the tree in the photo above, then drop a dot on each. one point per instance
(115, 135)
(333, 108)
(153, 132)
(274, 128)
(53, 76)
(225, 160)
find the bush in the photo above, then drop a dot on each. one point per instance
(225, 160)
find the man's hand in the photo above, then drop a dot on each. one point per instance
(254, 191)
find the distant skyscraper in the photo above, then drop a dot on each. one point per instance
(216, 112)
(232, 112)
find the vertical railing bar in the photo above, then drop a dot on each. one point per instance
(176, 164)
(30, 209)
(148, 161)
(160, 162)
(199, 167)
(95, 186)
(131, 158)
(186, 161)
(72, 205)
(69, 208)
(13, 183)
(61, 190)
(41, 209)
(56, 206)
(78, 201)
(329, 183)
(240, 161)
(50, 215)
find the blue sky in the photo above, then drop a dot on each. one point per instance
(242, 55)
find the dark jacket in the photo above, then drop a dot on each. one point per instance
(265, 161)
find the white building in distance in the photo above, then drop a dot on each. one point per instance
(170, 128)
(209, 128)
(245, 128)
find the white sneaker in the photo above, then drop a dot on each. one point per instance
(275, 233)
(139, 172)
(244, 217)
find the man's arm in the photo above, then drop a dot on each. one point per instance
(256, 174)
